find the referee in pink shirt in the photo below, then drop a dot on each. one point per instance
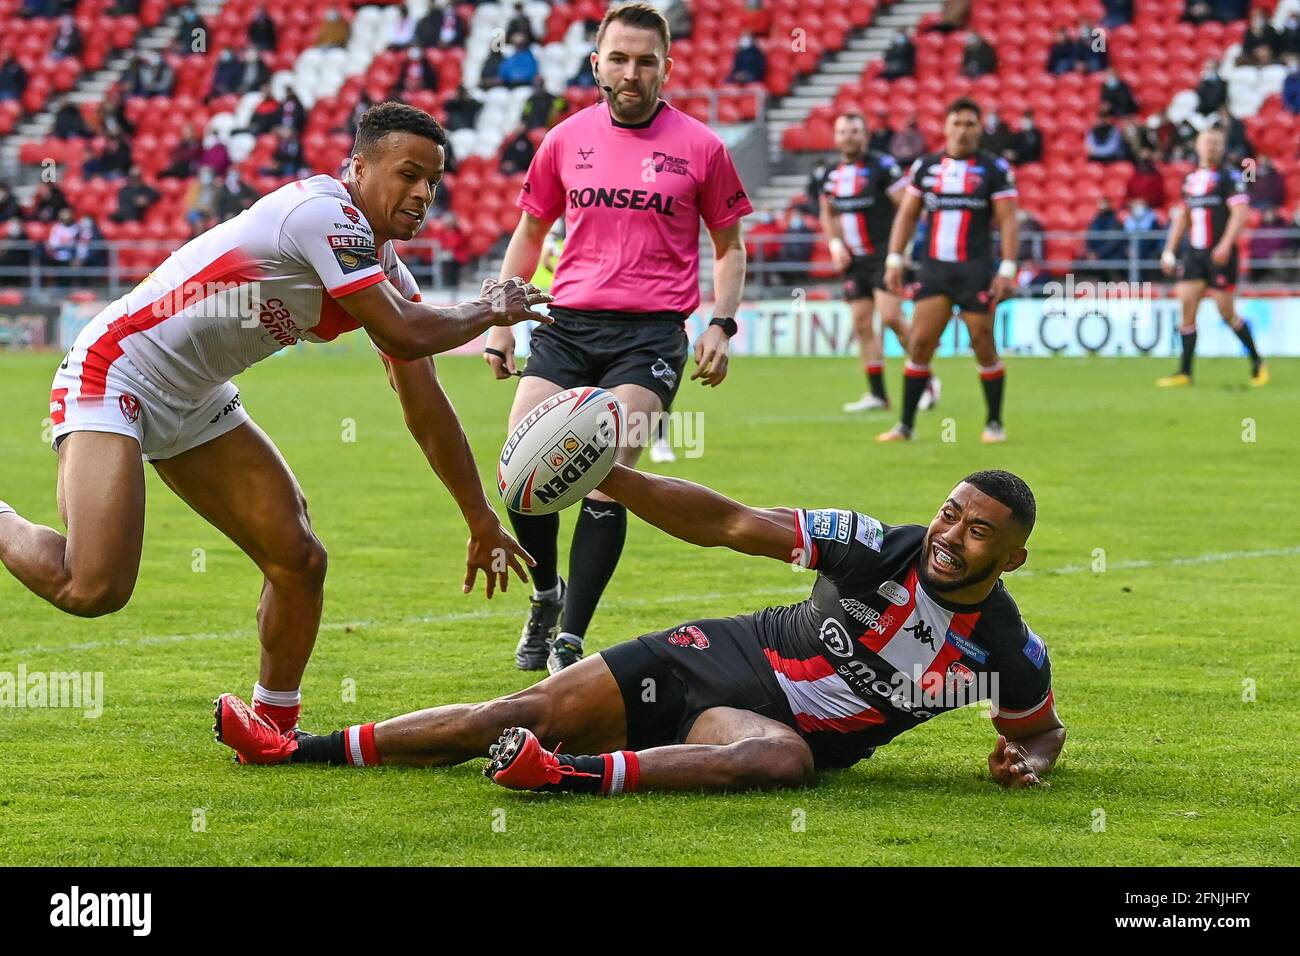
(632, 177)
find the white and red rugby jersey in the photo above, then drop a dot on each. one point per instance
(244, 290)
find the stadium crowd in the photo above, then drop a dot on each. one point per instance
(215, 187)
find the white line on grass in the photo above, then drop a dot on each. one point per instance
(1212, 557)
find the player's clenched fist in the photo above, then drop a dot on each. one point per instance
(512, 301)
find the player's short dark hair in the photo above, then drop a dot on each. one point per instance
(390, 117)
(1009, 489)
(961, 104)
(637, 14)
(853, 115)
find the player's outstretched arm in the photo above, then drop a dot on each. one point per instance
(701, 515)
(409, 330)
(1026, 749)
(435, 427)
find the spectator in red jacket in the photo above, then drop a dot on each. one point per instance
(1146, 183)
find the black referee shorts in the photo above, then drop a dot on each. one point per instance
(669, 678)
(611, 348)
(965, 283)
(1198, 265)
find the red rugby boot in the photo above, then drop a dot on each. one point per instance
(520, 762)
(253, 738)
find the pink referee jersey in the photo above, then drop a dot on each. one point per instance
(632, 200)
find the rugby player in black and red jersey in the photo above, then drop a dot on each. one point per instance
(904, 622)
(966, 191)
(1215, 208)
(857, 210)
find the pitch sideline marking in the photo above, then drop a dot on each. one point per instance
(1211, 557)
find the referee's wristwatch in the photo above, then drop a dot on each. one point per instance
(726, 323)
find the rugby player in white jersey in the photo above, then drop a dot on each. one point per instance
(150, 378)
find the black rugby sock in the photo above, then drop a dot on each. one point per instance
(597, 545)
(539, 536)
(876, 379)
(915, 378)
(993, 379)
(1189, 349)
(1248, 340)
(326, 748)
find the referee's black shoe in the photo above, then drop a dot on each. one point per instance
(543, 624)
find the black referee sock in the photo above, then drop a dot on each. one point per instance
(1189, 349)
(597, 545)
(915, 379)
(539, 536)
(1248, 340)
(325, 748)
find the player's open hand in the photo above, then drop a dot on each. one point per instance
(894, 280)
(512, 301)
(711, 356)
(1011, 767)
(499, 352)
(493, 551)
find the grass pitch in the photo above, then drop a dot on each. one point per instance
(1173, 667)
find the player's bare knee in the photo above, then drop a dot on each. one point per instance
(302, 565)
(526, 708)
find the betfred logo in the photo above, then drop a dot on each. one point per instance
(688, 636)
(130, 406)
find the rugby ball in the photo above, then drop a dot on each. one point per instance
(561, 450)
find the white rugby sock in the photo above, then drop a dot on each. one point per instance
(276, 698)
(551, 594)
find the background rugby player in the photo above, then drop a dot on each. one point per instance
(903, 623)
(150, 376)
(967, 191)
(633, 177)
(1215, 208)
(857, 210)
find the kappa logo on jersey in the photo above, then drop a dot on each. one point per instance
(922, 632)
(830, 525)
(689, 636)
(894, 592)
(870, 533)
(669, 164)
(835, 638)
(130, 406)
(354, 217)
(1035, 649)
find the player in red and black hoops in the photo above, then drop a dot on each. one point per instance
(967, 192)
(904, 623)
(857, 210)
(1214, 210)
